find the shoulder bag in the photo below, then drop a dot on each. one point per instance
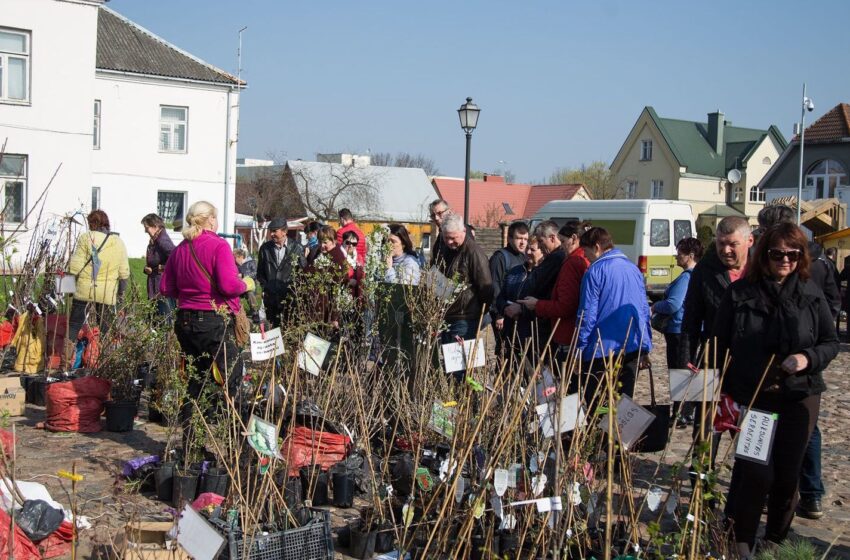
(241, 322)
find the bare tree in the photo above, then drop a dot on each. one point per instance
(268, 195)
(597, 178)
(326, 187)
(404, 159)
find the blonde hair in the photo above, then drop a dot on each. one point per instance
(197, 218)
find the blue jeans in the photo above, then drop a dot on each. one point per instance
(811, 483)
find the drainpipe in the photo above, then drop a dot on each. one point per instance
(227, 147)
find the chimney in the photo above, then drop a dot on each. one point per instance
(715, 131)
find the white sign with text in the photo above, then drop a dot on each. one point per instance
(755, 440)
(568, 415)
(632, 421)
(265, 347)
(456, 356)
(685, 385)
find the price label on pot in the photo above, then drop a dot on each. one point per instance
(500, 481)
(459, 487)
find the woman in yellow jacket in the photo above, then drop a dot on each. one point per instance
(100, 265)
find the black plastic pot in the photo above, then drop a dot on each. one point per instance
(35, 390)
(185, 488)
(154, 415)
(120, 415)
(508, 543)
(476, 547)
(385, 539)
(343, 487)
(215, 480)
(319, 479)
(164, 479)
(362, 542)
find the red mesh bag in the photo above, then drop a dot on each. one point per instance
(304, 447)
(76, 406)
(22, 547)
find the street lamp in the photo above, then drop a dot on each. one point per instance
(468, 114)
(808, 105)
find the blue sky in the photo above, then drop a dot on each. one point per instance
(559, 82)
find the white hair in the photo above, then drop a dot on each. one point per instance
(453, 223)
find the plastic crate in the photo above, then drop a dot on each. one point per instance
(313, 541)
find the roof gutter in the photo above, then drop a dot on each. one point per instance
(228, 85)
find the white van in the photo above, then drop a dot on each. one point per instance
(647, 231)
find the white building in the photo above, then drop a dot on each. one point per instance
(138, 125)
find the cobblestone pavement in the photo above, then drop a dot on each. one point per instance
(109, 502)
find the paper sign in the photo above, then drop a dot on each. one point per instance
(266, 348)
(456, 357)
(569, 415)
(686, 385)
(312, 357)
(442, 419)
(632, 421)
(263, 437)
(500, 481)
(755, 440)
(197, 536)
(546, 386)
(65, 284)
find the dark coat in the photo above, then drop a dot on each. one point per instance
(753, 328)
(470, 264)
(156, 256)
(708, 283)
(275, 279)
(501, 262)
(825, 277)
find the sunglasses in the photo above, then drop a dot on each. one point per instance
(351, 243)
(778, 255)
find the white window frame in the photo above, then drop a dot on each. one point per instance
(656, 191)
(169, 223)
(5, 56)
(631, 189)
(170, 149)
(646, 150)
(11, 178)
(96, 125)
(757, 194)
(95, 198)
(738, 192)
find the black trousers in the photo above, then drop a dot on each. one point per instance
(205, 339)
(752, 482)
(593, 373)
(88, 312)
(277, 307)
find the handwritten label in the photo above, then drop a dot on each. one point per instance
(632, 421)
(755, 441)
(456, 357)
(567, 416)
(266, 348)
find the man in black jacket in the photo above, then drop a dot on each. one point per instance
(279, 256)
(463, 257)
(501, 262)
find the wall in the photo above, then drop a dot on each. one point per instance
(755, 171)
(55, 128)
(702, 193)
(129, 168)
(663, 165)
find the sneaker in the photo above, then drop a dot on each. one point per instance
(810, 507)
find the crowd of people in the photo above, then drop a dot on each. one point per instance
(761, 306)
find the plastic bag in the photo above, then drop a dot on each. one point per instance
(38, 519)
(76, 406)
(305, 447)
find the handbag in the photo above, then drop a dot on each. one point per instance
(657, 435)
(241, 323)
(660, 322)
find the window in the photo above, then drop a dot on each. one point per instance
(622, 231)
(825, 176)
(96, 125)
(657, 188)
(646, 150)
(631, 189)
(659, 233)
(738, 193)
(173, 122)
(766, 161)
(95, 198)
(13, 180)
(757, 194)
(171, 207)
(681, 230)
(426, 242)
(14, 65)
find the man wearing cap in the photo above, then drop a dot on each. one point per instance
(278, 257)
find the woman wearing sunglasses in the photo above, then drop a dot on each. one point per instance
(778, 330)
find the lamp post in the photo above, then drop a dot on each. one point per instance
(468, 114)
(808, 105)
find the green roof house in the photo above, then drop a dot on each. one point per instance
(712, 165)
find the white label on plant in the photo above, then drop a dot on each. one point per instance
(266, 348)
(461, 484)
(500, 481)
(513, 474)
(456, 356)
(653, 498)
(671, 503)
(508, 522)
(538, 484)
(263, 436)
(312, 357)
(496, 504)
(544, 505)
(755, 440)
(568, 415)
(575, 498)
(632, 421)
(688, 386)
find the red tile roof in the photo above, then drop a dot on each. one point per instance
(488, 196)
(832, 126)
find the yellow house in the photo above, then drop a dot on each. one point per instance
(714, 166)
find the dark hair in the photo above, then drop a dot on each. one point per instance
(98, 220)
(597, 236)
(775, 214)
(313, 227)
(691, 246)
(571, 228)
(345, 214)
(517, 227)
(349, 235)
(784, 232)
(152, 220)
(327, 233)
(435, 203)
(401, 232)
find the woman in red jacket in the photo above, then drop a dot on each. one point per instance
(563, 305)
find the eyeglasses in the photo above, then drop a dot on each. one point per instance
(778, 255)
(351, 243)
(438, 213)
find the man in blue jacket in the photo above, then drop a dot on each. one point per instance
(613, 314)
